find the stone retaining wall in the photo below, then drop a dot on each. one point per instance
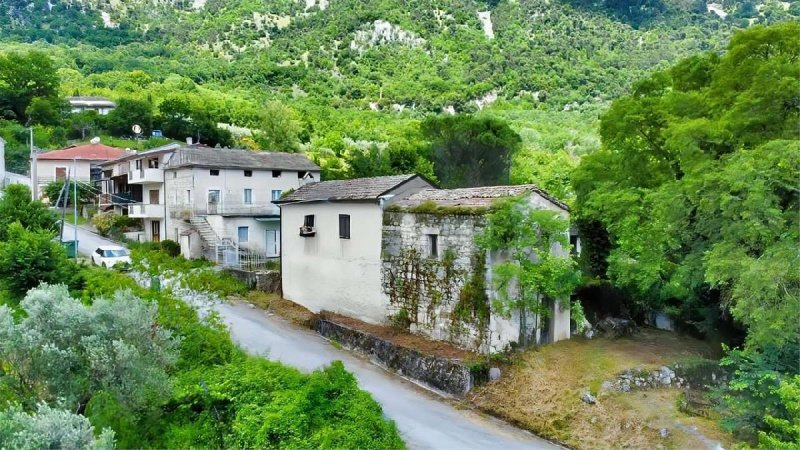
(450, 376)
(266, 280)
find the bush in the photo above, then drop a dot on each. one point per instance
(109, 223)
(28, 258)
(171, 248)
(50, 428)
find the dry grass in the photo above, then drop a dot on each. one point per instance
(285, 308)
(541, 391)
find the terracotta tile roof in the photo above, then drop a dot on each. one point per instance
(338, 190)
(87, 152)
(223, 158)
(477, 197)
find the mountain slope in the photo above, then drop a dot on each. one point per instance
(427, 54)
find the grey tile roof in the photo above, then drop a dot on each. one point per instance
(355, 189)
(201, 156)
(477, 197)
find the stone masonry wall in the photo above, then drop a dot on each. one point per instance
(443, 297)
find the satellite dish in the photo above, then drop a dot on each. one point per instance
(136, 129)
(95, 140)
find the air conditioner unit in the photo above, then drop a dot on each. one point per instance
(307, 231)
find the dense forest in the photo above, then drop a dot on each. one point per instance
(347, 80)
(670, 127)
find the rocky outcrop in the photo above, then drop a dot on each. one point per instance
(691, 376)
(446, 375)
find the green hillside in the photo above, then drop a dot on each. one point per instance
(348, 75)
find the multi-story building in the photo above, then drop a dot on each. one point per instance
(212, 201)
(84, 160)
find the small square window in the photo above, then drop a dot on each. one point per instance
(214, 172)
(276, 174)
(248, 173)
(433, 246)
(244, 234)
(344, 226)
(301, 174)
(276, 194)
(248, 196)
(308, 221)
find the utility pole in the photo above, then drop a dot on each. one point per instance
(75, 204)
(34, 175)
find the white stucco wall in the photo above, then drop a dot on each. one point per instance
(325, 272)
(231, 183)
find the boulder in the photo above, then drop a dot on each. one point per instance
(616, 327)
(494, 373)
(587, 397)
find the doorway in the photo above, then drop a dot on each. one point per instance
(273, 243)
(155, 230)
(213, 201)
(154, 196)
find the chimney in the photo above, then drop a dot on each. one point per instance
(189, 140)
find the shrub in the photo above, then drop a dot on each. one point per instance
(171, 248)
(67, 352)
(28, 258)
(50, 428)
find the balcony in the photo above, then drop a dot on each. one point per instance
(142, 176)
(185, 211)
(117, 198)
(146, 211)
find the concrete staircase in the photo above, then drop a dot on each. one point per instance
(208, 234)
(220, 250)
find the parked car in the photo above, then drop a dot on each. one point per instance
(110, 256)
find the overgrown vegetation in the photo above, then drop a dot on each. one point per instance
(140, 369)
(539, 270)
(696, 200)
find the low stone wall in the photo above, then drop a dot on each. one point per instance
(266, 280)
(450, 376)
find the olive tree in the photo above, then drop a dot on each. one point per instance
(50, 428)
(64, 351)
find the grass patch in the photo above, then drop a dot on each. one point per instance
(540, 391)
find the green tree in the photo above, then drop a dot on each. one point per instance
(471, 151)
(539, 269)
(16, 206)
(86, 194)
(696, 189)
(50, 428)
(46, 111)
(24, 77)
(28, 258)
(129, 112)
(64, 350)
(279, 130)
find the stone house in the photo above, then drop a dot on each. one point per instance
(217, 203)
(398, 250)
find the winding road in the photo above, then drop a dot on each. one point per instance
(424, 419)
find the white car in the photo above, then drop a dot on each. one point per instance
(111, 255)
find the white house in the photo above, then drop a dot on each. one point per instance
(101, 105)
(331, 243)
(215, 202)
(396, 249)
(84, 159)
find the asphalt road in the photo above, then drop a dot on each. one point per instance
(424, 419)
